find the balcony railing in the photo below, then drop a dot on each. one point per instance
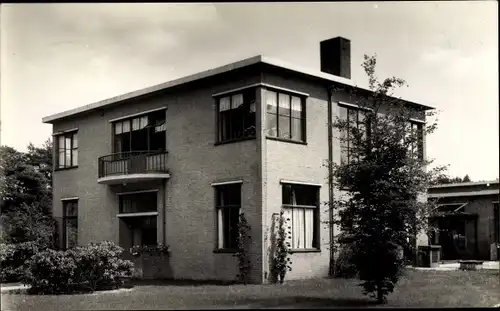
(133, 162)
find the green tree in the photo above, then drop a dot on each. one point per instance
(445, 179)
(26, 194)
(381, 215)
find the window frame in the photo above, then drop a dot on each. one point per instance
(277, 114)
(148, 127)
(58, 150)
(65, 219)
(246, 103)
(223, 208)
(139, 216)
(316, 242)
(366, 122)
(419, 128)
(139, 196)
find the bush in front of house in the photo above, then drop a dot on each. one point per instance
(96, 266)
(99, 266)
(51, 272)
(344, 264)
(14, 260)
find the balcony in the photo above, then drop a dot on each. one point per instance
(132, 167)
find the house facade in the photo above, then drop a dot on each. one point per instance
(466, 220)
(178, 162)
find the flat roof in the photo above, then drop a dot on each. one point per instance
(205, 74)
(465, 184)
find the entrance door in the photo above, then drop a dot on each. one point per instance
(457, 237)
(138, 219)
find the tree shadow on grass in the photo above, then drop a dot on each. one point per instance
(180, 282)
(302, 302)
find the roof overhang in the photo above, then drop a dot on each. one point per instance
(463, 194)
(456, 207)
(457, 215)
(209, 73)
(465, 184)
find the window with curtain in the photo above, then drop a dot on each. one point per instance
(141, 133)
(70, 224)
(301, 206)
(67, 150)
(236, 116)
(228, 204)
(285, 116)
(355, 117)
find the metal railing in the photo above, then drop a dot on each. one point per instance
(132, 162)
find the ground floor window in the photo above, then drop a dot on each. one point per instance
(70, 223)
(301, 206)
(228, 204)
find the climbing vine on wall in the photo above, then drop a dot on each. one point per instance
(281, 257)
(244, 241)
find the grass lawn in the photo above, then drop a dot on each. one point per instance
(418, 288)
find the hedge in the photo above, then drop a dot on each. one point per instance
(96, 266)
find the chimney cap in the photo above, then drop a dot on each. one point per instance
(337, 37)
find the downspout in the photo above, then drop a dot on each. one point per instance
(164, 207)
(331, 270)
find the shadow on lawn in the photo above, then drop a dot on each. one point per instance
(302, 302)
(179, 282)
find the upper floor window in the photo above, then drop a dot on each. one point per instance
(301, 206)
(416, 147)
(141, 133)
(67, 150)
(236, 116)
(356, 118)
(228, 204)
(285, 116)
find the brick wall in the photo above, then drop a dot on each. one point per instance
(194, 163)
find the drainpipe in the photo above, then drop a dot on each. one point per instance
(164, 207)
(330, 180)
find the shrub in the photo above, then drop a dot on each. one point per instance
(52, 272)
(99, 266)
(14, 260)
(344, 264)
(93, 267)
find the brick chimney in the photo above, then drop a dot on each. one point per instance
(336, 57)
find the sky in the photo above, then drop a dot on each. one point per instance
(55, 57)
